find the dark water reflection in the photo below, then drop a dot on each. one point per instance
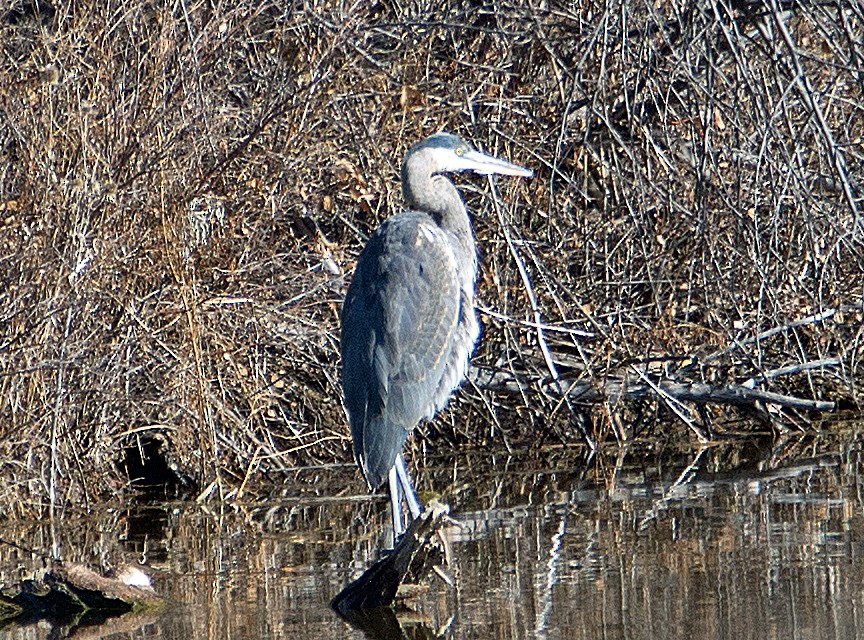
(711, 544)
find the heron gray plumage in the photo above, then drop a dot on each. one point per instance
(408, 321)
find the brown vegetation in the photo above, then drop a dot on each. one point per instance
(184, 188)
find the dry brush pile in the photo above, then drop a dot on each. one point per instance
(184, 188)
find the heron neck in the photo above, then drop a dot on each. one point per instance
(437, 196)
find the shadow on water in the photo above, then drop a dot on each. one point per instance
(730, 541)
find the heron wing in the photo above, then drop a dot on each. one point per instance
(398, 322)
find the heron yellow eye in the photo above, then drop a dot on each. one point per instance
(460, 151)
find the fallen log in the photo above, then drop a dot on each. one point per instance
(67, 591)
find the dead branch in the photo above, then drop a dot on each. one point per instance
(614, 390)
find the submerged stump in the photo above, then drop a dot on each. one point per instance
(379, 584)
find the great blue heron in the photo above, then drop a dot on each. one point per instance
(408, 322)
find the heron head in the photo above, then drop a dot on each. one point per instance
(445, 152)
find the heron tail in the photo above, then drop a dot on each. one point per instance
(377, 449)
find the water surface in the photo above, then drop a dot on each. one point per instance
(734, 541)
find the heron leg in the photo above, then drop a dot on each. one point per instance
(395, 504)
(407, 488)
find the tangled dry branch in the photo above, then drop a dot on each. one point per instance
(184, 187)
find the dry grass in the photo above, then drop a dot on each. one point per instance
(183, 189)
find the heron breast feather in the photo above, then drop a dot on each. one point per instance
(403, 346)
(420, 300)
(400, 318)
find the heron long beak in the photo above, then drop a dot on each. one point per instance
(486, 165)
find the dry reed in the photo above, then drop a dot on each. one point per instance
(184, 188)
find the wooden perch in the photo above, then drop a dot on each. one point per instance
(378, 585)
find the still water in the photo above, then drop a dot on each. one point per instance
(726, 542)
